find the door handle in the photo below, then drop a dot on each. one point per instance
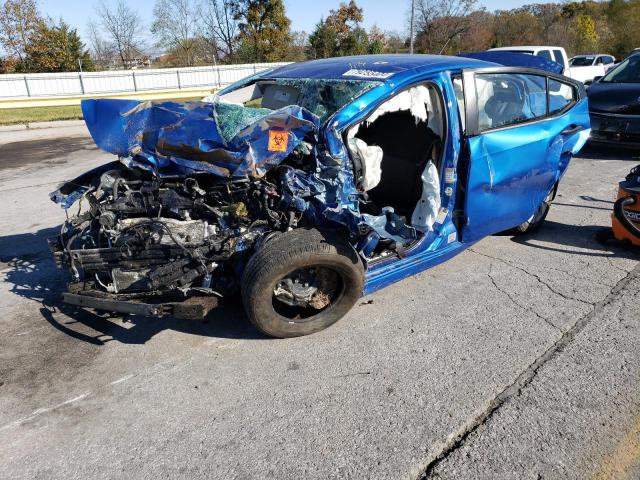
(571, 129)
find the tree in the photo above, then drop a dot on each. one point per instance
(175, 26)
(19, 20)
(220, 27)
(346, 19)
(264, 30)
(586, 34)
(323, 41)
(56, 48)
(624, 19)
(8, 64)
(516, 27)
(298, 49)
(377, 40)
(341, 34)
(123, 28)
(103, 52)
(479, 35)
(396, 42)
(439, 22)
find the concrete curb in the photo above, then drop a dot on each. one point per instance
(40, 125)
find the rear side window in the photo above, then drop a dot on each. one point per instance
(544, 54)
(608, 60)
(561, 96)
(507, 99)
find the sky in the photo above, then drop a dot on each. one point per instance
(389, 15)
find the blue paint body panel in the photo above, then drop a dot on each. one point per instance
(513, 170)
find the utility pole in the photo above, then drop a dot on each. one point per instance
(413, 7)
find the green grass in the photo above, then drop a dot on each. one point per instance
(13, 116)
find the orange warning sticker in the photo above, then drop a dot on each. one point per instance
(278, 140)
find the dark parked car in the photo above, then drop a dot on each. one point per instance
(304, 187)
(614, 105)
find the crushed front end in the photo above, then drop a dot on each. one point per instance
(140, 240)
(167, 229)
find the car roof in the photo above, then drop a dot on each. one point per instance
(373, 67)
(528, 47)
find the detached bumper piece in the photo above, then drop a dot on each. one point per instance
(194, 308)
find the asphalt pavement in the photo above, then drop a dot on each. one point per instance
(518, 359)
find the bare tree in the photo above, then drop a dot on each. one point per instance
(19, 20)
(123, 28)
(438, 22)
(176, 24)
(220, 26)
(102, 51)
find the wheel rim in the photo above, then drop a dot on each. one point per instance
(305, 292)
(542, 209)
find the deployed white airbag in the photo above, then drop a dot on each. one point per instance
(426, 211)
(371, 156)
(414, 100)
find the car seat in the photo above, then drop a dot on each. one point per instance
(406, 147)
(505, 106)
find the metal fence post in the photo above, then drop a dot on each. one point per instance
(81, 83)
(178, 75)
(26, 84)
(219, 78)
(135, 85)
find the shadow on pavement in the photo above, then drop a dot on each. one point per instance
(45, 151)
(579, 237)
(30, 270)
(599, 152)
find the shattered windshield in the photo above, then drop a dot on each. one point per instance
(321, 97)
(326, 97)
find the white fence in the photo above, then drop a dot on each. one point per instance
(42, 85)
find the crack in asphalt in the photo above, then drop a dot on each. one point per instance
(534, 275)
(621, 269)
(526, 308)
(457, 438)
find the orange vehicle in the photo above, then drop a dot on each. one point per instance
(626, 211)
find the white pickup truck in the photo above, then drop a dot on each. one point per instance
(556, 54)
(586, 67)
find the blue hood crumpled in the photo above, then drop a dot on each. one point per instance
(224, 139)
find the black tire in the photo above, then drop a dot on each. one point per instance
(538, 218)
(294, 251)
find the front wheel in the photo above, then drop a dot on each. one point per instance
(301, 282)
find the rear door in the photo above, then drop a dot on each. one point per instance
(522, 126)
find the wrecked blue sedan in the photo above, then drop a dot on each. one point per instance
(305, 187)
